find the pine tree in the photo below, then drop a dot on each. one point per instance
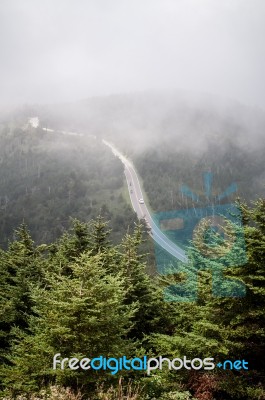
(242, 319)
(20, 267)
(153, 314)
(99, 235)
(82, 313)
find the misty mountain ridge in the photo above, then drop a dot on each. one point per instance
(172, 137)
(175, 131)
(142, 120)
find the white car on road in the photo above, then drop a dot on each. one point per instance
(141, 201)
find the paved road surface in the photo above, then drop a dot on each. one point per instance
(141, 210)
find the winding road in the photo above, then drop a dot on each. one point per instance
(141, 209)
(135, 193)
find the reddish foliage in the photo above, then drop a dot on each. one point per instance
(203, 385)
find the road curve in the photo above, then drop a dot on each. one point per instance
(141, 210)
(135, 193)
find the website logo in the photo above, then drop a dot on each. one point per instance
(115, 365)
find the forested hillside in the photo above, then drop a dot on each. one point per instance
(46, 178)
(167, 169)
(132, 200)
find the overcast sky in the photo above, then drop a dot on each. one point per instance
(61, 50)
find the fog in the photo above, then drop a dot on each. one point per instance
(65, 50)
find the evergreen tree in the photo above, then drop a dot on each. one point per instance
(83, 313)
(99, 235)
(153, 314)
(242, 319)
(20, 267)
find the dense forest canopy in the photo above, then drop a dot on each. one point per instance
(81, 296)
